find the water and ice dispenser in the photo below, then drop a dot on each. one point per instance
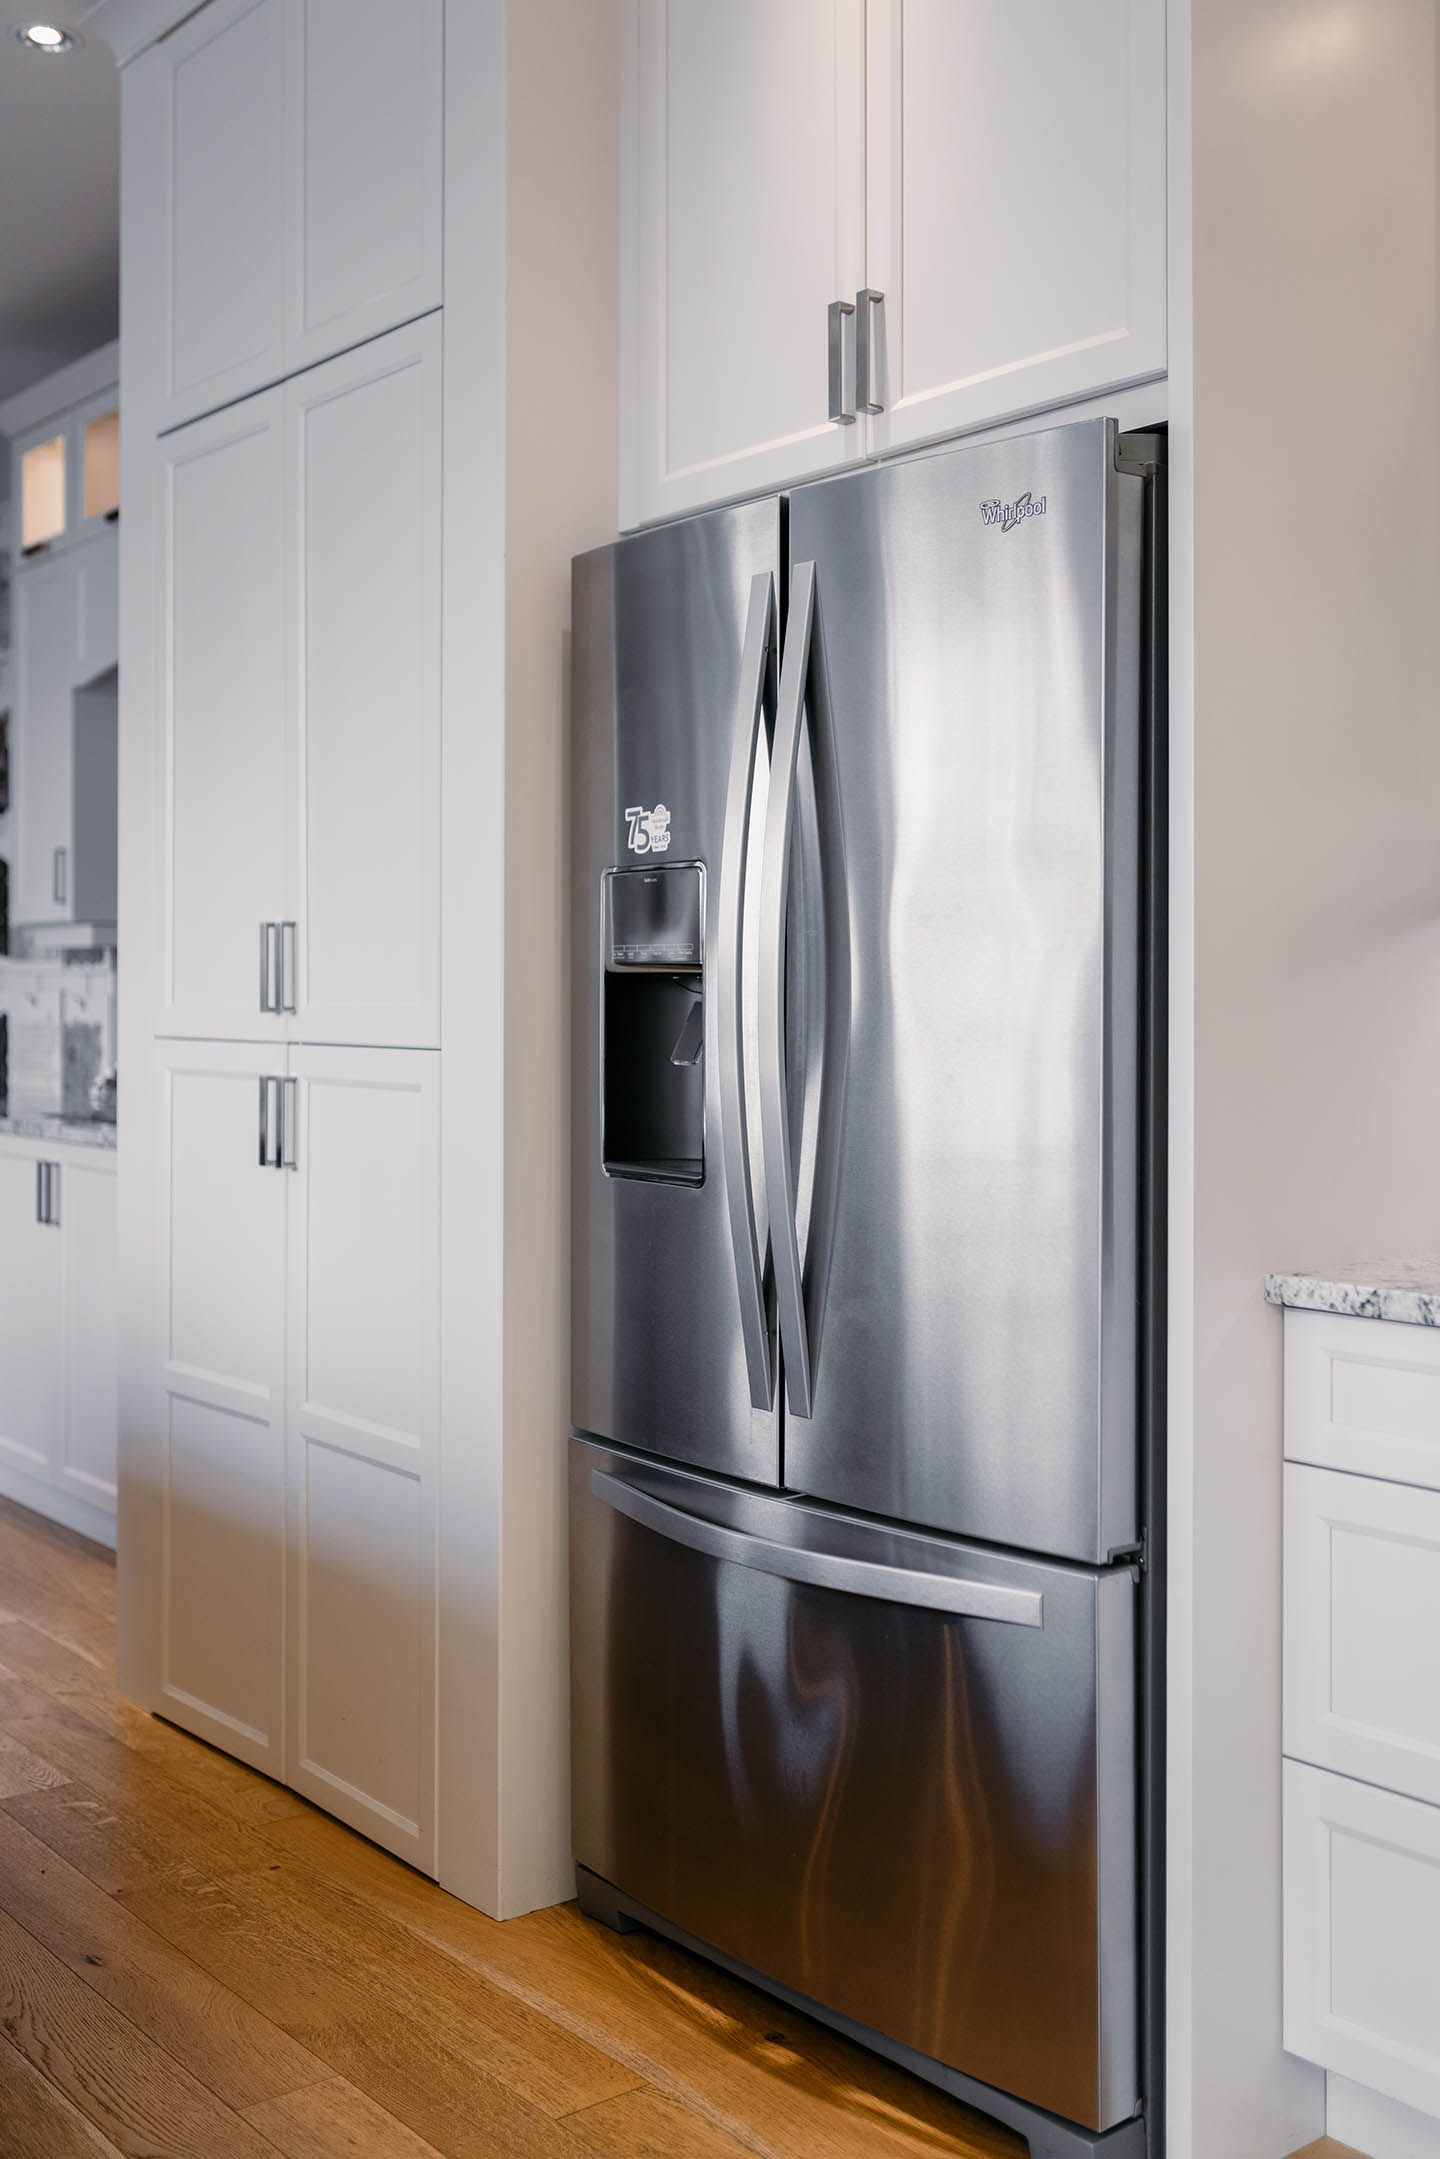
(653, 1040)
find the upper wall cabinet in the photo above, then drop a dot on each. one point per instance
(289, 189)
(743, 221)
(849, 228)
(1016, 207)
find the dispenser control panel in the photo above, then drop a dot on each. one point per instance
(654, 918)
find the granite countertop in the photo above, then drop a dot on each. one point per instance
(1367, 1289)
(61, 1131)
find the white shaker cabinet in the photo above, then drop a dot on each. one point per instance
(979, 184)
(224, 719)
(216, 1434)
(299, 584)
(362, 1422)
(58, 1366)
(85, 1206)
(293, 1442)
(364, 144)
(743, 220)
(270, 229)
(1015, 157)
(65, 727)
(46, 637)
(32, 1331)
(363, 589)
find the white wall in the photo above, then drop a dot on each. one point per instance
(1314, 781)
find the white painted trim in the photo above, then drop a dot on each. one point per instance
(58, 1506)
(1380, 2127)
(74, 384)
(128, 26)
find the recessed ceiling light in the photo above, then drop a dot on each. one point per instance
(46, 37)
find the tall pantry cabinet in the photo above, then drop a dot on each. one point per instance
(340, 494)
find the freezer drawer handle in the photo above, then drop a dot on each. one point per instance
(757, 670)
(819, 1570)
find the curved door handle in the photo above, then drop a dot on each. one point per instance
(774, 898)
(816, 1567)
(729, 1034)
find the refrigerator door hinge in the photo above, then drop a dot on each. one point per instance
(1141, 452)
(1132, 1555)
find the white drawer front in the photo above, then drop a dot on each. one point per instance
(1364, 1395)
(1362, 1933)
(1362, 1628)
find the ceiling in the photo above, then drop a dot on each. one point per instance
(59, 199)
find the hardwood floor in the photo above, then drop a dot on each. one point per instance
(193, 1962)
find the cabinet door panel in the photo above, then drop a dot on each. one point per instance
(219, 181)
(366, 144)
(30, 1331)
(88, 1229)
(365, 506)
(1016, 224)
(45, 655)
(97, 602)
(221, 1370)
(1362, 1918)
(225, 734)
(363, 1408)
(743, 219)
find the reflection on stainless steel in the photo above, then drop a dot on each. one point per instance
(911, 1815)
(658, 1353)
(854, 1293)
(984, 688)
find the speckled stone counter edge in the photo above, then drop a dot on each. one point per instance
(1409, 1295)
(59, 1132)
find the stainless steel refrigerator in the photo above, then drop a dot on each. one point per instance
(863, 1240)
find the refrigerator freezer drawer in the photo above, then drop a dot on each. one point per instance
(895, 1773)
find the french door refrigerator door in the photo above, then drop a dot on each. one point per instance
(675, 635)
(893, 1773)
(956, 1255)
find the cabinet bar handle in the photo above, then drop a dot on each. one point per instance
(58, 876)
(867, 348)
(40, 1191)
(842, 407)
(270, 1134)
(285, 995)
(289, 1090)
(52, 1194)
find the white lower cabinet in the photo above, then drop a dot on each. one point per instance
(1362, 1719)
(57, 1336)
(362, 1408)
(294, 1617)
(31, 1354)
(1362, 1933)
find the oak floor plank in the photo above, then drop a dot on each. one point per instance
(778, 2082)
(37, 2121)
(237, 1790)
(50, 1664)
(138, 1836)
(647, 2124)
(229, 2046)
(335, 2121)
(57, 1560)
(1327, 2148)
(129, 2088)
(22, 1771)
(318, 1956)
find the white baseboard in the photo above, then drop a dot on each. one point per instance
(58, 1506)
(1381, 2128)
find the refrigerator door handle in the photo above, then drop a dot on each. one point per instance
(815, 1567)
(756, 670)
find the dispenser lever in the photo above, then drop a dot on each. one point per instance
(691, 1038)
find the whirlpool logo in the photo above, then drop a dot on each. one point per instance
(1007, 515)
